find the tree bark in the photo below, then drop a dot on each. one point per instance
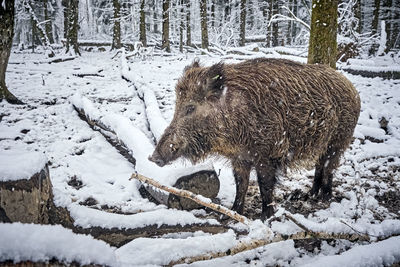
(48, 25)
(6, 38)
(155, 10)
(188, 26)
(275, 25)
(165, 26)
(322, 47)
(142, 37)
(375, 20)
(358, 15)
(73, 27)
(181, 26)
(387, 6)
(242, 34)
(65, 4)
(33, 24)
(204, 28)
(294, 27)
(116, 43)
(290, 25)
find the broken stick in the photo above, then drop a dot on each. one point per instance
(206, 202)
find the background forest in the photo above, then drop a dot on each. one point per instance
(178, 23)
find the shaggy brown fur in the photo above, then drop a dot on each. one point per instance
(263, 113)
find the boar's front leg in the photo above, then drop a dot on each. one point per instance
(266, 176)
(241, 172)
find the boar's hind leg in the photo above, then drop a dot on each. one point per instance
(327, 163)
(241, 172)
(266, 175)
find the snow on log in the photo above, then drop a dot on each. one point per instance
(383, 253)
(29, 243)
(200, 179)
(25, 187)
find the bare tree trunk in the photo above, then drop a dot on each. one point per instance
(358, 15)
(395, 35)
(387, 6)
(375, 20)
(48, 25)
(275, 26)
(188, 26)
(155, 10)
(6, 38)
(242, 34)
(181, 26)
(204, 28)
(290, 25)
(73, 27)
(33, 34)
(227, 10)
(65, 4)
(268, 16)
(323, 45)
(165, 26)
(212, 15)
(116, 43)
(294, 29)
(142, 36)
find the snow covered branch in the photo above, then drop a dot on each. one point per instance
(292, 17)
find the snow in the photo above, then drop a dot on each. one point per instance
(383, 253)
(138, 111)
(87, 217)
(41, 243)
(140, 251)
(19, 164)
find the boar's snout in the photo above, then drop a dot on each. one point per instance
(157, 159)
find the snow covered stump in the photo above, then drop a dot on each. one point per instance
(25, 187)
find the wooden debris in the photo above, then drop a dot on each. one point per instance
(196, 198)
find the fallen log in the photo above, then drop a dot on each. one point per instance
(372, 74)
(203, 182)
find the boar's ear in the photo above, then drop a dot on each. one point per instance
(215, 81)
(195, 64)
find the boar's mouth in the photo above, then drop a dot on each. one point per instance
(157, 159)
(162, 156)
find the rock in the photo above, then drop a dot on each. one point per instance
(205, 183)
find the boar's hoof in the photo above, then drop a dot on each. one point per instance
(267, 213)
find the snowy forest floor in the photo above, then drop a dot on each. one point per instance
(90, 177)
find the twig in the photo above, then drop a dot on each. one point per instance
(196, 198)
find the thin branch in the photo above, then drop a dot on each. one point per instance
(206, 202)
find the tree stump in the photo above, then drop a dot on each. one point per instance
(26, 200)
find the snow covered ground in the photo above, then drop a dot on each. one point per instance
(85, 168)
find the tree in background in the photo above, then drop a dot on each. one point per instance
(242, 34)
(188, 27)
(72, 27)
(116, 41)
(142, 35)
(204, 28)
(6, 38)
(165, 26)
(48, 23)
(322, 47)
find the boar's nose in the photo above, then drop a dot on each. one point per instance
(156, 158)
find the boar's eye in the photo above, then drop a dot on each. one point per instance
(189, 109)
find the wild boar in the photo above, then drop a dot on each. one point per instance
(266, 114)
